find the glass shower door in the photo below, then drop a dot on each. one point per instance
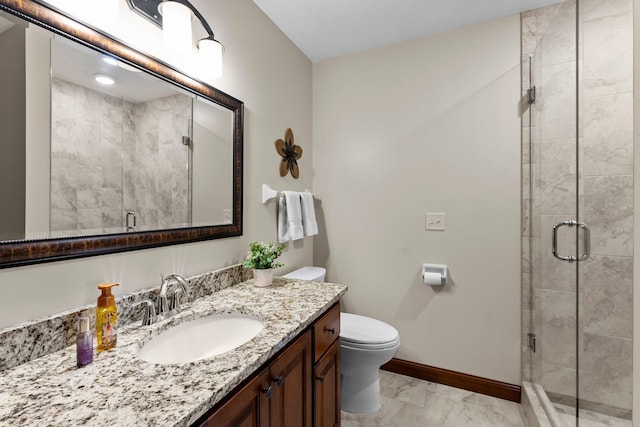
(555, 207)
(580, 128)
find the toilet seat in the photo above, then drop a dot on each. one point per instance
(366, 333)
(372, 347)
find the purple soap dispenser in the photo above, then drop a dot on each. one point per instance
(84, 343)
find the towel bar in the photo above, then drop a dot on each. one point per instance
(269, 193)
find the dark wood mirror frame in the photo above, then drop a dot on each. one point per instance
(25, 252)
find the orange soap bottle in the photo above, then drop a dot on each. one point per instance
(106, 318)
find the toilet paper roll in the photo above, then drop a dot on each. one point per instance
(432, 279)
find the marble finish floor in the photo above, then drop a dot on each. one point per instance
(588, 419)
(409, 402)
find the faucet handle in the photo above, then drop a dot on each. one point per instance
(163, 305)
(175, 301)
(149, 315)
(184, 282)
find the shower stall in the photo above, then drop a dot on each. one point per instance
(577, 111)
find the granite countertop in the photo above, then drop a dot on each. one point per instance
(118, 389)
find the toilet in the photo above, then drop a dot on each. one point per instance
(365, 345)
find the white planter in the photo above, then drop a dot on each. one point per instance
(262, 278)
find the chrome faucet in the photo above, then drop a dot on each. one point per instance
(164, 308)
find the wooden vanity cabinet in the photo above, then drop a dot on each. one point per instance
(249, 406)
(300, 387)
(326, 387)
(326, 369)
(291, 378)
(326, 331)
(280, 395)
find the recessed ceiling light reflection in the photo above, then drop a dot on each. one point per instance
(109, 60)
(115, 63)
(104, 79)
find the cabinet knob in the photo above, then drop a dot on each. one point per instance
(268, 391)
(331, 330)
(278, 380)
(320, 378)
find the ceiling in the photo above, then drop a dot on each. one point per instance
(5, 24)
(324, 29)
(78, 64)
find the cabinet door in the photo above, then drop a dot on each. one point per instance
(326, 385)
(291, 403)
(249, 407)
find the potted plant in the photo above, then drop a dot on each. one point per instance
(262, 259)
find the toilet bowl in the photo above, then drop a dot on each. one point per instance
(365, 345)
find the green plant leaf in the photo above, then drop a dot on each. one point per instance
(263, 255)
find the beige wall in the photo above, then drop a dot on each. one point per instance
(276, 97)
(430, 125)
(212, 129)
(12, 110)
(636, 212)
(38, 137)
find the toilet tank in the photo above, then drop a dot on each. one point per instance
(316, 274)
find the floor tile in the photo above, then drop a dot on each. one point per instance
(588, 418)
(403, 388)
(409, 402)
(393, 413)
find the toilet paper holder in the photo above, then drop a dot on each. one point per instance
(434, 274)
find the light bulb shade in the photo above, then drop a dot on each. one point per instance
(176, 26)
(210, 52)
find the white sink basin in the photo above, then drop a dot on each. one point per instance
(201, 338)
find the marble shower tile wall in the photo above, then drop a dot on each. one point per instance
(119, 157)
(160, 173)
(605, 199)
(607, 120)
(89, 131)
(28, 341)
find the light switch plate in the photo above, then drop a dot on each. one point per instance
(226, 215)
(434, 221)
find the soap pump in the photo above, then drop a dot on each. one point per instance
(106, 318)
(84, 343)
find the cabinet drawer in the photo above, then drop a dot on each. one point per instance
(326, 330)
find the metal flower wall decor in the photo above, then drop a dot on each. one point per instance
(290, 153)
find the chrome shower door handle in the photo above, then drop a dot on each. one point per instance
(587, 241)
(554, 240)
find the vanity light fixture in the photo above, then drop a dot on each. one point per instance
(103, 79)
(175, 17)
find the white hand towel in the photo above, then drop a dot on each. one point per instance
(308, 214)
(283, 226)
(294, 214)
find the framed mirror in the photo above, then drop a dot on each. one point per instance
(105, 149)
